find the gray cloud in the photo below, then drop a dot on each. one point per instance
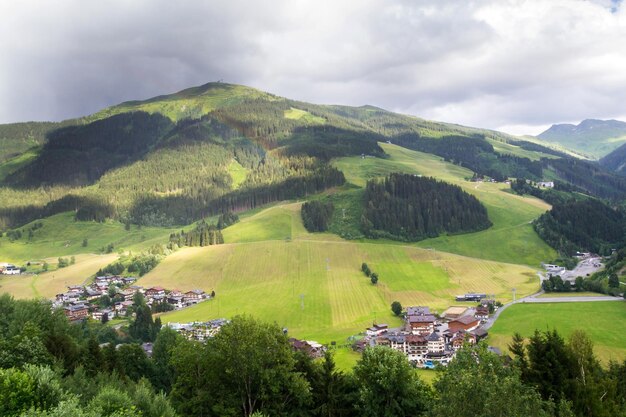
(512, 64)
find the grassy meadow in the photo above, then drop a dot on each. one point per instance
(511, 239)
(603, 322)
(48, 284)
(273, 269)
(62, 236)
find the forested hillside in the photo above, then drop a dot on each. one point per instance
(585, 225)
(412, 208)
(616, 160)
(178, 158)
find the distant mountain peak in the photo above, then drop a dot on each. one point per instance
(593, 137)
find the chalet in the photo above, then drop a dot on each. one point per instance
(92, 293)
(377, 330)
(176, 293)
(417, 311)
(155, 292)
(76, 289)
(128, 280)
(194, 296)
(309, 347)
(102, 285)
(98, 314)
(457, 340)
(76, 312)
(177, 301)
(424, 324)
(127, 293)
(122, 307)
(67, 297)
(482, 312)
(466, 323)
(480, 334)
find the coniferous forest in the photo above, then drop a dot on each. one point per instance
(408, 207)
(316, 215)
(585, 225)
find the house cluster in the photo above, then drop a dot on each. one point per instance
(309, 347)
(428, 339)
(79, 303)
(9, 269)
(198, 330)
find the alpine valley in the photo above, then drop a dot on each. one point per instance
(273, 205)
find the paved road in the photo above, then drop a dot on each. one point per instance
(569, 299)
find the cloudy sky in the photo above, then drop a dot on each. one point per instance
(512, 65)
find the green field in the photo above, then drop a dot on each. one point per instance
(237, 172)
(11, 165)
(603, 322)
(62, 236)
(267, 277)
(48, 284)
(511, 238)
(297, 114)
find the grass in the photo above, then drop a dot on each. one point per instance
(266, 277)
(237, 172)
(48, 284)
(62, 236)
(511, 239)
(10, 166)
(508, 149)
(192, 102)
(297, 114)
(570, 294)
(601, 320)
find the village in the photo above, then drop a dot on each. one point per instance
(111, 296)
(427, 339)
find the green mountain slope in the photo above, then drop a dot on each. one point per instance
(176, 158)
(592, 137)
(616, 160)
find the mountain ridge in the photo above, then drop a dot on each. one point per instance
(169, 159)
(594, 137)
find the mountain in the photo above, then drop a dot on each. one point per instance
(592, 137)
(615, 161)
(176, 158)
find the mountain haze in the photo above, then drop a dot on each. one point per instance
(592, 137)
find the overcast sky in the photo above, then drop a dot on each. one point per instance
(511, 65)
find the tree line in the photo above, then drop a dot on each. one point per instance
(316, 215)
(51, 368)
(203, 234)
(408, 207)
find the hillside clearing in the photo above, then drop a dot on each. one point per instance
(62, 236)
(511, 239)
